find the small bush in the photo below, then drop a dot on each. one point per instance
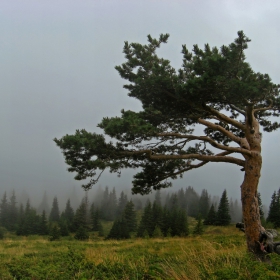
(81, 234)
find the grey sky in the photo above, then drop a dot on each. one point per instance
(57, 75)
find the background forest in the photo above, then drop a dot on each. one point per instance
(124, 216)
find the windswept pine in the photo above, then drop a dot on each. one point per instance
(215, 89)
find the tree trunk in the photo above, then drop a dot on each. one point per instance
(250, 207)
(249, 189)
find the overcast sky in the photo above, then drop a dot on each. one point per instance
(57, 75)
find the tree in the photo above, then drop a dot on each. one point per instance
(54, 214)
(223, 217)
(119, 230)
(4, 210)
(12, 212)
(198, 229)
(44, 205)
(43, 224)
(129, 215)
(68, 215)
(204, 202)
(274, 209)
(211, 217)
(215, 89)
(121, 203)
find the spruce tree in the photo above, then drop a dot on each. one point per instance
(43, 228)
(146, 223)
(12, 212)
(54, 214)
(223, 216)
(204, 204)
(4, 211)
(198, 230)
(44, 205)
(68, 215)
(81, 217)
(211, 216)
(121, 203)
(129, 215)
(81, 233)
(274, 210)
(119, 230)
(54, 233)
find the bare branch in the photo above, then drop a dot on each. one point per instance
(237, 109)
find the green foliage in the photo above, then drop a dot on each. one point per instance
(119, 230)
(274, 209)
(54, 214)
(223, 217)
(81, 233)
(211, 217)
(215, 87)
(198, 230)
(157, 232)
(54, 232)
(215, 256)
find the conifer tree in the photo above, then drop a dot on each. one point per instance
(121, 203)
(4, 211)
(43, 228)
(192, 199)
(44, 205)
(54, 233)
(129, 215)
(223, 216)
(81, 233)
(146, 223)
(12, 212)
(274, 209)
(211, 216)
(68, 215)
(204, 204)
(119, 230)
(215, 88)
(54, 214)
(198, 230)
(81, 217)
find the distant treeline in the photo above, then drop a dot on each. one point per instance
(165, 213)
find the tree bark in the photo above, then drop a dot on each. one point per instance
(249, 188)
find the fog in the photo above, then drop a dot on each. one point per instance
(57, 75)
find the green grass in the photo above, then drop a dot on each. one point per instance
(220, 253)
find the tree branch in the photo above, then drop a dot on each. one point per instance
(241, 142)
(269, 107)
(211, 142)
(224, 118)
(237, 109)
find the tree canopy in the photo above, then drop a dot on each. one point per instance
(215, 89)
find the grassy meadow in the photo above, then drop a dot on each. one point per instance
(220, 253)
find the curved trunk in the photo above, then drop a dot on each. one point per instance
(249, 187)
(250, 207)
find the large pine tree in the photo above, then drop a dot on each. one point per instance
(216, 89)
